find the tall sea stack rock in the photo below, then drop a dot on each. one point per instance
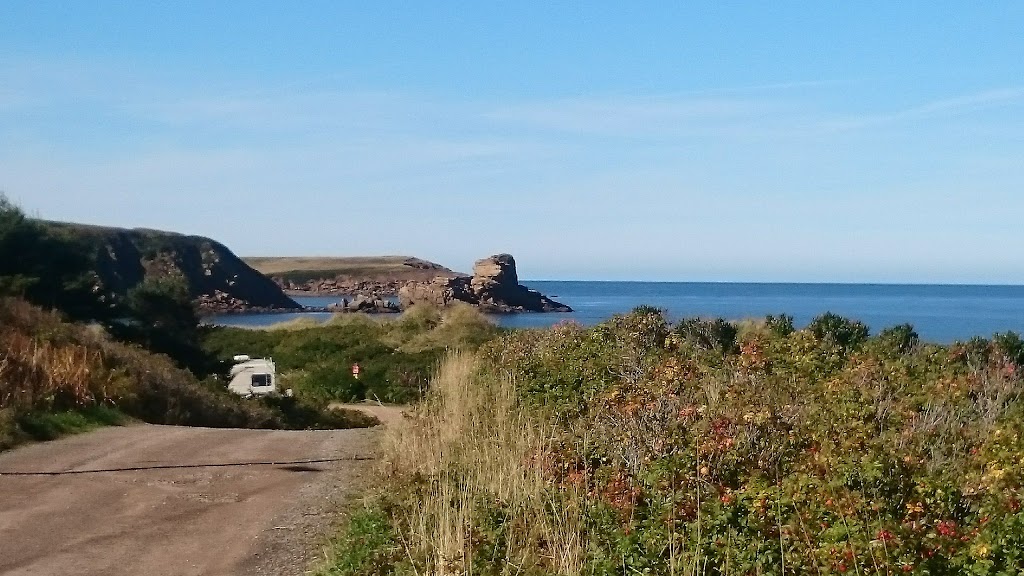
(494, 287)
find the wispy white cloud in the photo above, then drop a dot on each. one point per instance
(624, 115)
(942, 107)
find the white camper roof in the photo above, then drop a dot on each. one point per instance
(253, 365)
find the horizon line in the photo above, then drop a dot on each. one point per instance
(794, 282)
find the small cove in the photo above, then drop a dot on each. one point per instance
(940, 313)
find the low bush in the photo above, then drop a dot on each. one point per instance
(842, 332)
(51, 425)
(901, 339)
(715, 335)
(781, 325)
(637, 447)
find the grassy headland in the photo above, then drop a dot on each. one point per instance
(373, 268)
(706, 447)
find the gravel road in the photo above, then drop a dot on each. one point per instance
(157, 500)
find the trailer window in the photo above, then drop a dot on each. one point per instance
(260, 380)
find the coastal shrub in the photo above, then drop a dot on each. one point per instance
(975, 353)
(842, 332)
(559, 369)
(1010, 346)
(715, 335)
(303, 414)
(331, 382)
(806, 452)
(781, 325)
(416, 320)
(900, 339)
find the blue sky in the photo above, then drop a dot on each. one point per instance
(716, 141)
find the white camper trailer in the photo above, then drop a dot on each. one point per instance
(253, 376)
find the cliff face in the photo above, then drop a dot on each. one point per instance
(216, 278)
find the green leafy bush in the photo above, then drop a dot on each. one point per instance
(842, 332)
(1011, 346)
(781, 325)
(815, 451)
(901, 339)
(715, 335)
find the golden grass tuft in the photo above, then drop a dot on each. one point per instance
(356, 320)
(42, 369)
(300, 323)
(456, 326)
(478, 447)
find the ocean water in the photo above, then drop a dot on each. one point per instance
(940, 313)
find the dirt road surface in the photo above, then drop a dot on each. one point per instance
(165, 500)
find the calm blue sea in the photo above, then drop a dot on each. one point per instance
(940, 313)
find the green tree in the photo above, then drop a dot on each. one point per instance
(16, 236)
(47, 268)
(159, 314)
(164, 305)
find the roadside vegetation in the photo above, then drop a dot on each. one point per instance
(74, 356)
(58, 377)
(396, 356)
(705, 447)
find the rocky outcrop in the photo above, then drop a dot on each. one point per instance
(494, 287)
(439, 292)
(366, 305)
(217, 279)
(341, 287)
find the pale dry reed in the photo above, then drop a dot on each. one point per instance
(37, 374)
(478, 448)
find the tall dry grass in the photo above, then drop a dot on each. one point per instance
(456, 326)
(480, 451)
(47, 364)
(41, 375)
(300, 323)
(42, 369)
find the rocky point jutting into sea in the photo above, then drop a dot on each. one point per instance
(494, 287)
(220, 282)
